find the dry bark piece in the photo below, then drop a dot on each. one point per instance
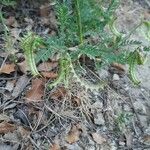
(98, 138)
(7, 68)
(20, 85)
(6, 127)
(36, 92)
(74, 134)
(47, 66)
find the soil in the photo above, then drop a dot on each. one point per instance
(115, 118)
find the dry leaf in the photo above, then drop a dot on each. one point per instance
(49, 75)
(23, 131)
(6, 127)
(37, 91)
(47, 66)
(76, 101)
(45, 10)
(55, 146)
(146, 139)
(74, 134)
(10, 21)
(7, 68)
(59, 93)
(98, 138)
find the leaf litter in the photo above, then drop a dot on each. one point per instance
(33, 92)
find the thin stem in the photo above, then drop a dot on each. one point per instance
(79, 21)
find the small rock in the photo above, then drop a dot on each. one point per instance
(103, 73)
(11, 137)
(121, 143)
(127, 108)
(97, 105)
(143, 120)
(116, 77)
(90, 147)
(147, 131)
(10, 85)
(5, 147)
(99, 119)
(139, 107)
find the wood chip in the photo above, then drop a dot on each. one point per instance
(20, 85)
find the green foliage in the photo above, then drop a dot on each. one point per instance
(8, 2)
(122, 120)
(78, 22)
(29, 43)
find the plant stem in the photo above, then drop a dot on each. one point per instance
(79, 21)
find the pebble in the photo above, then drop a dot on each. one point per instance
(99, 119)
(139, 107)
(116, 77)
(121, 143)
(90, 147)
(143, 120)
(103, 73)
(97, 105)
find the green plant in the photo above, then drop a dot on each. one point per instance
(8, 2)
(79, 21)
(29, 44)
(122, 120)
(8, 40)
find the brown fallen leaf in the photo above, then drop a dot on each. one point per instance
(59, 93)
(49, 75)
(146, 139)
(23, 131)
(7, 68)
(98, 138)
(6, 127)
(47, 66)
(45, 10)
(74, 134)
(36, 92)
(10, 21)
(55, 146)
(76, 101)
